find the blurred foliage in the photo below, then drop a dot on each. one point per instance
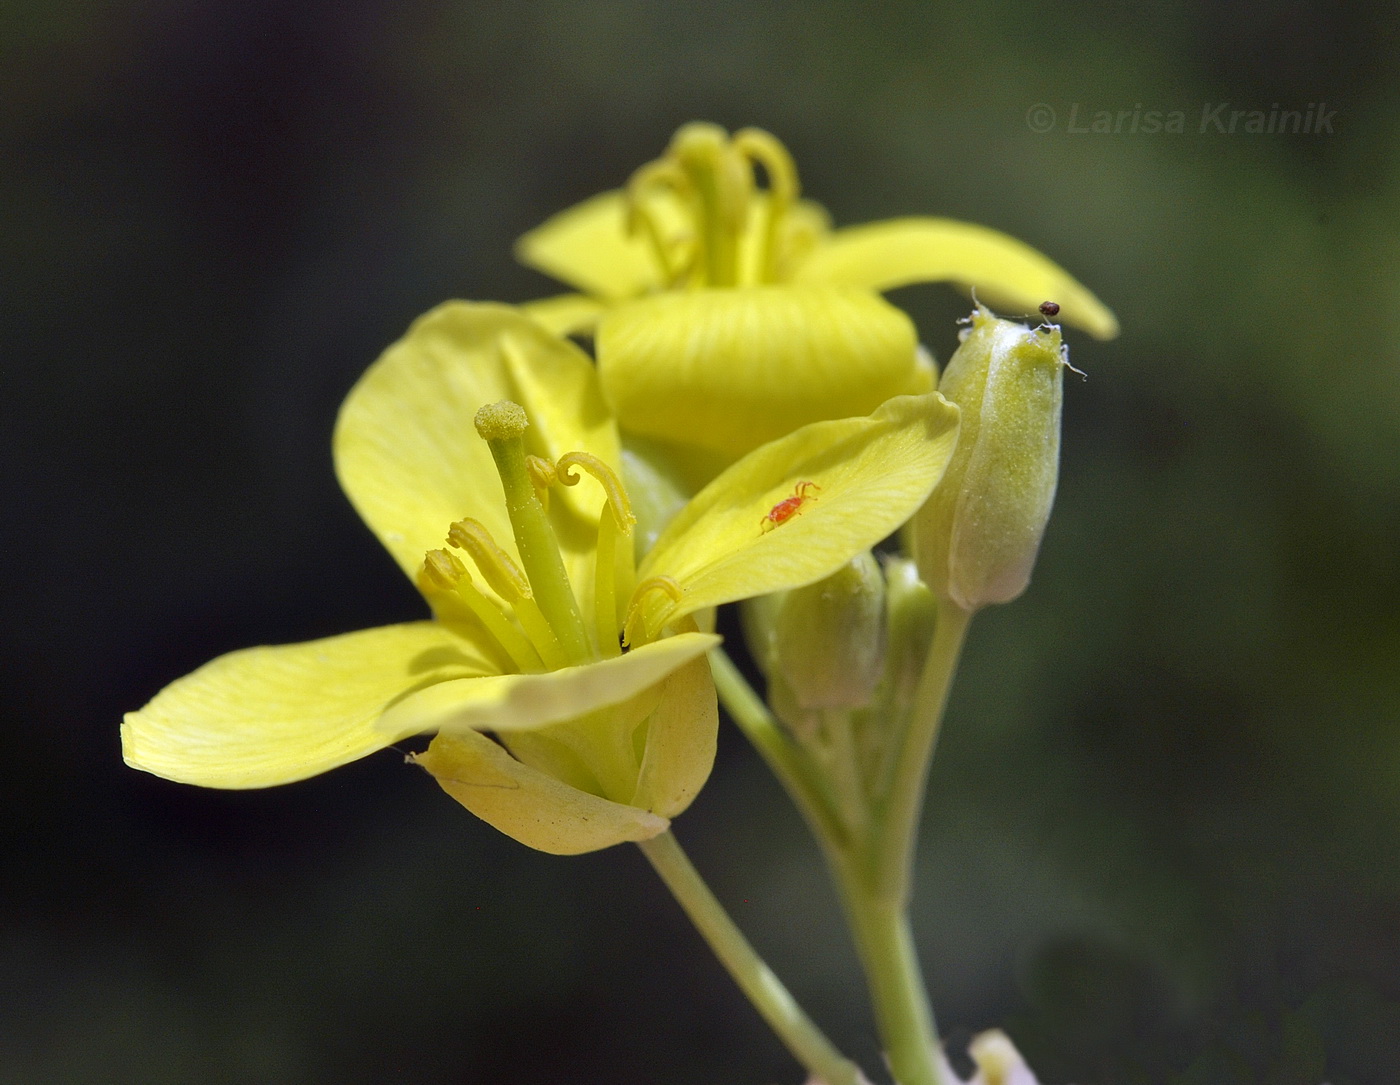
(1163, 828)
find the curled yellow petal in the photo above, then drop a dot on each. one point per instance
(515, 702)
(529, 805)
(729, 369)
(867, 475)
(1005, 272)
(271, 715)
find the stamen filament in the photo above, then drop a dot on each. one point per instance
(446, 571)
(654, 175)
(636, 611)
(541, 633)
(604, 587)
(763, 148)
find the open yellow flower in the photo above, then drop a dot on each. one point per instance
(727, 315)
(596, 742)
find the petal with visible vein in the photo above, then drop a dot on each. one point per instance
(272, 715)
(520, 702)
(589, 247)
(729, 369)
(1004, 272)
(873, 474)
(406, 449)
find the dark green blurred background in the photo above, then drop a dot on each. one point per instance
(1165, 821)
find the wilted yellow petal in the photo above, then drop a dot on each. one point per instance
(680, 741)
(517, 702)
(730, 369)
(588, 246)
(1005, 272)
(869, 475)
(264, 716)
(565, 314)
(408, 455)
(528, 805)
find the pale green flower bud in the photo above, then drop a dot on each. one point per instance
(911, 615)
(828, 637)
(976, 537)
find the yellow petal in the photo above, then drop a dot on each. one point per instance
(589, 247)
(872, 474)
(731, 369)
(407, 452)
(565, 314)
(264, 716)
(680, 741)
(1004, 272)
(528, 805)
(518, 702)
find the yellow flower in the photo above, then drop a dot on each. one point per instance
(594, 744)
(727, 315)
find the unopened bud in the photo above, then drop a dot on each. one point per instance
(828, 638)
(910, 617)
(976, 538)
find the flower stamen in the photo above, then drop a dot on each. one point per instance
(496, 565)
(446, 572)
(606, 477)
(507, 581)
(762, 148)
(636, 611)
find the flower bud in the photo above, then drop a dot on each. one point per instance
(911, 615)
(976, 537)
(826, 641)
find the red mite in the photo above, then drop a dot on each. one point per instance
(788, 507)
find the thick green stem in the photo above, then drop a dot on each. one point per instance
(754, 977)
(902, 1012)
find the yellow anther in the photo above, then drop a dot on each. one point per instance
(636, 609)
(607, 478)
(495, 564)
(444, 569)
(501, 421)
(542, 477)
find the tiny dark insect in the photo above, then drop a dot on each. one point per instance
(788, 507)
(1049, 309)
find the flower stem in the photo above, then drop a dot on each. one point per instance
(903, 803)
(790, 763)
(754, 977)
(886, 946)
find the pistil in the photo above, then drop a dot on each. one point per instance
(502, 425)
